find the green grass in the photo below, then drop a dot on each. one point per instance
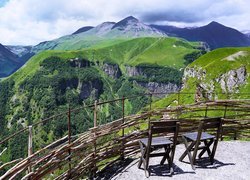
(215, 64)
(161, 51)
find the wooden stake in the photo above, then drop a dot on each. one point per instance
(69, 137)
(30, 146)
(123, 114)
(94, 141)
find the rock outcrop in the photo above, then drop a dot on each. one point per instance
(231, 80)
(112, 70)
(155, 87)
(134, 71)
(91, 88)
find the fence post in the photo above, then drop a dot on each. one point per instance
(69, 137)
(95, 114)
(206, 111)
(178, 98)
(150, 108)
(94, 141)
(123, 114)
(30, 146)
(224, 116)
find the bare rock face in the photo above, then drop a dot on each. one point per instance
(155, 87)
(112, 70)
(134, 71)
(194, 72)
(231, 80)
(80, 63)
(90, 88)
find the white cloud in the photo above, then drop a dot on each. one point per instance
(33, 21)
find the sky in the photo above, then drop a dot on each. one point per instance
(28, 22)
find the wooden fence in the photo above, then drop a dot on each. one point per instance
(83, 155)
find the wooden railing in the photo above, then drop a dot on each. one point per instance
(85, 154)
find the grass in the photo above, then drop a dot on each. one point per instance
(214, 64)
(161, 51)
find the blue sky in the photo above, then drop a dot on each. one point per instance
(28, 22)
(3, 2)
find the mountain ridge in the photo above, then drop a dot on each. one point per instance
(214, 33)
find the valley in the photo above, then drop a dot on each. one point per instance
(110, 61)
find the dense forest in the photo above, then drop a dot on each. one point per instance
(56, 86)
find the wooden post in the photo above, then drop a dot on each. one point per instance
(30, 146)
(123, 114)
(206, 111)
(150, 106)
(225, 113)
(95, 114)
(94, 141)
(235, 134)
(69, 138)
(178, 98)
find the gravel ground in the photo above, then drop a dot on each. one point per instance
(232, 162)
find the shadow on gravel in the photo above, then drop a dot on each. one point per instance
(204, 163)
(163, 170)
(114, 169)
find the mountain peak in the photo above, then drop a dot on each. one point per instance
(126, 21)
(129, 18)
(83, 29)
(214, 23)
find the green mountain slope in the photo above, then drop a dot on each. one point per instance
(219, 74)
(162, 51)
(54, 79)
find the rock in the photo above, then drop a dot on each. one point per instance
(194, 72)
(231, 80)
(155, 87)
(112, 70)
(134, 71)
(80, 63)
(90, 88)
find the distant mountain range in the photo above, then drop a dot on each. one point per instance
(8, 61)
(247, 33)
(12, 58)
(107, 33)
(110, 33)
(214, 34)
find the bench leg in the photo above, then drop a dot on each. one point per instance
(207, 144)
(187, 152)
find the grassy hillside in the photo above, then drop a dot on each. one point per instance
(219, 74)
(162, 51)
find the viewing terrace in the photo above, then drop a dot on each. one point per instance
(111, 150)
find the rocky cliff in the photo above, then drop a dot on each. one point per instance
(229, 82)
(155, 87)
(112, 70)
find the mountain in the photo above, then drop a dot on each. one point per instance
(19, 50)
(52, 80)
(215, 34)
(8, 61)
(12, 58)
(223, 73)
(247, 33)
(83, 29)
(105, 34)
